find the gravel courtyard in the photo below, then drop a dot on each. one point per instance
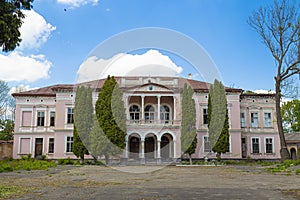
(171, 182)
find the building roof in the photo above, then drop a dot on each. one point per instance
(50, 91)
(292, 137)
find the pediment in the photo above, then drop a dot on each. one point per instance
(150, 87)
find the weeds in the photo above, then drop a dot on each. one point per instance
(25, 163)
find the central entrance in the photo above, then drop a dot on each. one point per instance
(150, 146)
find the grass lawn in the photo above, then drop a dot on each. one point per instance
(26, 163)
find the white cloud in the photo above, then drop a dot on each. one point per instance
(262, 91)
(21, 88)
(150, 63)
(35, 30)
(77, 3)
(17, 67)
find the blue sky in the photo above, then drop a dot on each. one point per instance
(219, 26)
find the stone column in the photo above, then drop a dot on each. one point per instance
(174, 107)
(142, 158)
(158, 109)
(158, 152)
(143, 112)
(126, 149)
(126, 106)
(174, 148)
(125, 158)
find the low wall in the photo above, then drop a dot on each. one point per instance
(6, 149)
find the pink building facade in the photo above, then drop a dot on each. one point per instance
(44, 120)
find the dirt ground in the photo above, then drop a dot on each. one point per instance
(99, 182)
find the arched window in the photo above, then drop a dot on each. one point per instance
(134, 114)
(149, 114)
(165, 114)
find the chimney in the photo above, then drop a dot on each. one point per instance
(190, 76)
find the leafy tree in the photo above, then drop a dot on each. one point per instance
(222, 144)
(188, 123)
(10, 22)
(218, 125)
(7, 102)
(100, 145)
(290, 112)
(83, 118)
(111, 122)
(279, 28)
(6, 129)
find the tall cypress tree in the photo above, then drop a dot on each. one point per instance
(188, 123)
(83, 121)
(218, 126)
(113, 126)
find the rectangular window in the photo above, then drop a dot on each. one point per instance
(206, 144)
(26, 118)
(205, 114)
(267, 120)
(243, 120)
(254, 120)
(69, 145)
(24, 145)
(52, 118)
(255, 145)
(40, 118)
(51, 145)
(70, 116)
(269, 145)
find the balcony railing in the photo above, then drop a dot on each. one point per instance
(153, 122)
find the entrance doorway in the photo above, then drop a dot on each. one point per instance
(149, 147)
(293, 154)
(134, 147)
(244, 148)
(38, 148)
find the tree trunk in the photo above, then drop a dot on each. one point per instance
(218, 155)
(81, 160)
(95, 159)
(284, 153)
(106, 159)
(190, 158)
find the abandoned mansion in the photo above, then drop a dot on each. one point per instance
(44, 120)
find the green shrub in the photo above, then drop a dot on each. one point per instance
(25, 163)
(67, 161)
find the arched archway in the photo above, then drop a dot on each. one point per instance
(293, 154)
(150, 146)
(149, 114)
(166, 146)
(134, 146)
(134, 113)
(165, 114)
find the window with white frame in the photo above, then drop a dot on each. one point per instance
(134, 114)
(51, 145)
(254, 120)
(52, 118)
(70, 116)
(255, 145)
(205, 115)
(206, 144)
(69, 144)
(165, 114)
(267, 120)
(149, 114)
(243, 125)
(40, 118)
(269, 145)
(26, 118)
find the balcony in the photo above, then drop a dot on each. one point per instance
(154, 122)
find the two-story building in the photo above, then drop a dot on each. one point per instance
(44, 120)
